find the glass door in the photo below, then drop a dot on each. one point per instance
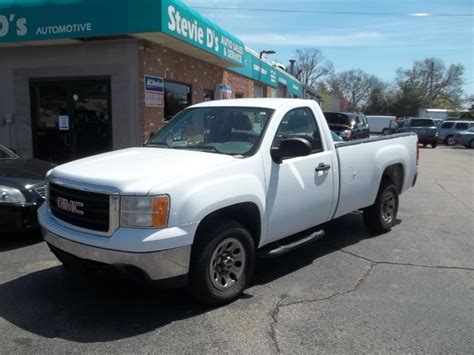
(70, 119)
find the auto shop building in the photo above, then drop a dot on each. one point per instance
(87, 76)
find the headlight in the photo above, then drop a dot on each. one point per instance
(346, 134)
(11, 195)
(144, 212)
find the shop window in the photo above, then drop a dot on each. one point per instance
(208, 94)
(239, 95)
(257, 90)
(177, 98)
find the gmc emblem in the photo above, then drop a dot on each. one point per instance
(69, 205)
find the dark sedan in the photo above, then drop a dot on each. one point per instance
(22, 190)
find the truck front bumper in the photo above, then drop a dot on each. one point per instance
(160, 265)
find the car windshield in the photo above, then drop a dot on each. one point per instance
(422, 123)
(337, 118)
(6, 153)
(223, 130)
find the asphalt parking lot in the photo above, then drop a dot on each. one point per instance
(411, 290)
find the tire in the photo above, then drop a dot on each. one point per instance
(222, 263)
(450, 141)
(434, 145)
(380, 217)
(385, 131)
(471, 144)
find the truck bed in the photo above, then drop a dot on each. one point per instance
(361, 164)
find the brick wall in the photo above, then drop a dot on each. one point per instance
(240, 84)
(160, 61)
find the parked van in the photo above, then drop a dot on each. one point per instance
(380, 124)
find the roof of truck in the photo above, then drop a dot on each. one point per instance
(256, 102)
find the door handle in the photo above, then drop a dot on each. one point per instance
(323, 167)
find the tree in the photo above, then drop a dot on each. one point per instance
(353, 86)
(378, 98)
(433, 83)
(311, 66)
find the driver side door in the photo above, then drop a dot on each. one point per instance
(300, 190)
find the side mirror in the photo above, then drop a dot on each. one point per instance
(152, 134)
(291, 148)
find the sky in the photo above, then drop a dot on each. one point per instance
(378, 42)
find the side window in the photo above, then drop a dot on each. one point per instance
(462, 125)
(447, 125)
(301, 123)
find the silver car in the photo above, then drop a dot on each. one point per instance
(448, 129)
(465, 138)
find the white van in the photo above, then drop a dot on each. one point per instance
(380, 124)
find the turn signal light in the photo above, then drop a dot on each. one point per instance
(160, 211)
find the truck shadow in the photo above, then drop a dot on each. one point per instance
(53, 303)
(339, 233)
(12, 241)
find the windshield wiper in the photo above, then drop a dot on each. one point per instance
(202, 147)
(157, 144)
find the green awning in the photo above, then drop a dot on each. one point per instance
(40, 20)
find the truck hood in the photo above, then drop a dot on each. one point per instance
(136, 171)
(339, 127)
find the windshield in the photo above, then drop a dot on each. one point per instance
(7, 153)
(422, 123)
(223, 130)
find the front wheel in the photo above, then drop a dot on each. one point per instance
(380, 217)
(471, 144)
(434, 145)
(450, 140)
(222, 263)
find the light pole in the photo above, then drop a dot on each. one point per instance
(260, 64)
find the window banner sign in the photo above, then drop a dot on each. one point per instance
(154, 91)
(225, 91)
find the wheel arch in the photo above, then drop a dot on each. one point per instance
(246, 213)
(396, 174)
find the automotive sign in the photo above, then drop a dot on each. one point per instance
(187, 25)
(46, 20)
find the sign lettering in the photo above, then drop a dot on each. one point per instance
(69, 205)
(183, 25)
(6, 22)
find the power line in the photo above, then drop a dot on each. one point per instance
(357, 13)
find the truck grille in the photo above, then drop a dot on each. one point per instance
(41, 190)
(84, 209)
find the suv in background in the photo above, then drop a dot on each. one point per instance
(365, 125)
(448, 130)
(425, 128)
(347, 125)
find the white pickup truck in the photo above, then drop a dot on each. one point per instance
(222, 183)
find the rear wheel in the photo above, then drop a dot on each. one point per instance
(471, 144)
(450, 140)
(222, 263)
(434, 145)
(380, 217)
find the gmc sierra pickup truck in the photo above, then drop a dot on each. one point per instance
(222, 183)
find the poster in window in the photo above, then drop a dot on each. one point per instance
(154, 91)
